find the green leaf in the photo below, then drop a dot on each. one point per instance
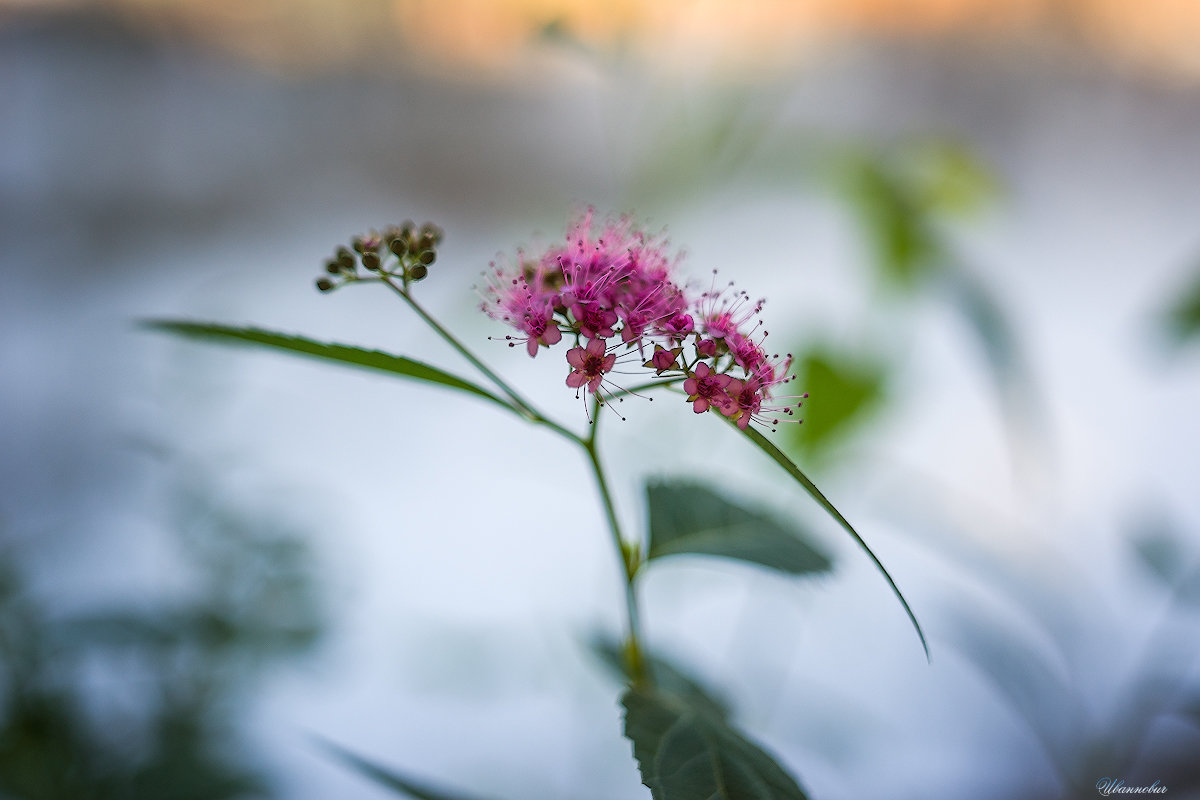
(891, 220)
(337, 353)
(846, 389)
(1182, 319)
(686, 754)
(948, 177)
(687, 518)
(400, 784)
(781, 458)
(663, 674)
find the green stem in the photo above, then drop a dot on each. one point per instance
(523, 406)
(630, 561)
(628, 554)
(645, 387)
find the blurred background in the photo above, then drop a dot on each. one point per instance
(976, 225)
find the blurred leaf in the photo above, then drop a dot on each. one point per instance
(983, 313)
(686, 754)
(891, 220)
(1182, 319)
(383, 776)
(338, 353)
(704, 142)
(845, 390)
(185, 764)
(1161, 552)
(780, 458)
(899, 196)
(663, 675)
(155, 630)
(1165, 554)
(1024, 677)
(1189, 708)
(948, 177)
(687, 518)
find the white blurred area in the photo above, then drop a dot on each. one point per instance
(149, 169)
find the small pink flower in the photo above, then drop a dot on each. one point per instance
(678, 326)
(748, 354)
(706, 348)
(588, 365)
(747, 399)
(526, 302)
(726, 312)
(706, 389)
(595, 321)
(542, 330)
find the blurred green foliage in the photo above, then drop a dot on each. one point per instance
(390, 779)
(906, 201)
(1145, 722)
(846, 388)
(899, 197)
(181, 666)
(1182, 318)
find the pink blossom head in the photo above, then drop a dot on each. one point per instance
(609, 286)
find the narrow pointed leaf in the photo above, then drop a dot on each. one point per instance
(400, 784)
(684, 753)
(326, 351)
(781, 458)
(686, 518)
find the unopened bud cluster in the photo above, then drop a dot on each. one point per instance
(404, 252)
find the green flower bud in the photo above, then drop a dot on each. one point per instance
(324, 284)
(432, 232)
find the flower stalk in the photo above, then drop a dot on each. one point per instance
(627, 553)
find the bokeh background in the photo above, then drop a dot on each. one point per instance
(976, 225)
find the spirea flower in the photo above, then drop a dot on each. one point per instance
(707, 389)
(589, 365)
(609, 289)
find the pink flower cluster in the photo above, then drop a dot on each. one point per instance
(609, 290)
